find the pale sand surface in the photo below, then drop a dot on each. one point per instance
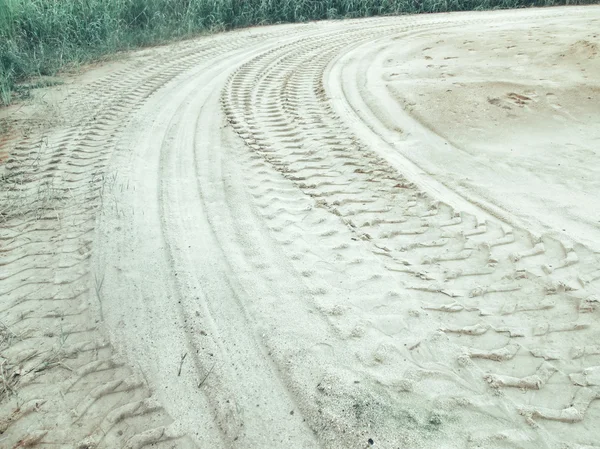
(516, 108)
(367, 233)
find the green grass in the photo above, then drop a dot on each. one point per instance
(39, 37)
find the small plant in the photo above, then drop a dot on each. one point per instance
(8, 379)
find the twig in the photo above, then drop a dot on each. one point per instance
(181, 364)
(207, 374)
(98, 285)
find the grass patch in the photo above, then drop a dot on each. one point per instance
(39, 37)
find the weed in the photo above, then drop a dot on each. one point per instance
(8, 373)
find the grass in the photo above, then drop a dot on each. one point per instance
(8, 380)
(39, 37)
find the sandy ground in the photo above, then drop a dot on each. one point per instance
(510, 114)
(371, 233)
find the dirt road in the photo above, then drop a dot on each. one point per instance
(380, 232)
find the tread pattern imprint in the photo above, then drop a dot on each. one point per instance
(431, 326)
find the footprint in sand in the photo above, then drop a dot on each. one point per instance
(497, 102)
(519, 99)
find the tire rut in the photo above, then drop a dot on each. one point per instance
(477, 280)
(52, 187)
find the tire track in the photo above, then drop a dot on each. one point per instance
(52, 358)
(478, 278)
(541, 281)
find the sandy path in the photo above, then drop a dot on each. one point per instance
(319, 235)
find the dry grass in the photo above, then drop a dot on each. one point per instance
(9, 374)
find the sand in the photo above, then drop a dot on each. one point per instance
(368, 233)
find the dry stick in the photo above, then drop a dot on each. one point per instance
(181, 364)
(207, 374)
(98, 285)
